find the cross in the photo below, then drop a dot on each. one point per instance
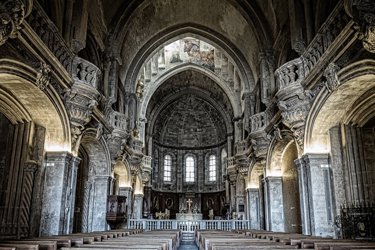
(189, 201)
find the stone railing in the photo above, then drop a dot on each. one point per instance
(326, 35)
(49, 34)
(295, 71)
(146, 162)
(118, 120)
(231, 161)
(85, 72)
(290, 73)
(137, 145)
(188, 226)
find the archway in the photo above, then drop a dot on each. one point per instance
(341, 123)
(282, 197)
(33, 122)
(94, 182)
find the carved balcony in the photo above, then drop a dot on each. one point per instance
(231, 162)
(118, 121)
(85, 72)
(146, 162)
(291, 73)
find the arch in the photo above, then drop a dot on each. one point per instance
(275, 155)
(98, 151)
(331, 108)
(122, 170)
(138, 188)
(92, 182)
(21, 100)
(190, 159)
(184, 67)
(249, 10)
(188, 29)
(198, 93)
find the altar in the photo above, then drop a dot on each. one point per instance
(188, 216)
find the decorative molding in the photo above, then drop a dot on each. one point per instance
(332, 80)
(43, 76)
(363, 14)
(12, 15)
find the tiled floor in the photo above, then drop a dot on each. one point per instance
(188, 246)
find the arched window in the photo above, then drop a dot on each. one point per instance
(189, 169)
(167, 167)
(212, 168)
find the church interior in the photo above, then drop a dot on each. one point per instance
(185, 115)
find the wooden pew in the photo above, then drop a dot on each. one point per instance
(43, 244)
(20, 246)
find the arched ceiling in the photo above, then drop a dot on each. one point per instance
(242, 27)
(189, 110)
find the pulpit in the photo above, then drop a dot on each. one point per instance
(116, 211)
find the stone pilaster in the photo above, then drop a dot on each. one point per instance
(138, 204)
(274, 201)
(54, 217)
(253, 204)
(128, 192)
(71, 195)
(319, 193)
(98, 207)
(303, 196)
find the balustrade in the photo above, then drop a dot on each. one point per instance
(186, 226)
(85, 72)
(295, 71)
(231, 161)
(49, 34)
(118, 120)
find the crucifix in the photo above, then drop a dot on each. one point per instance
(189, 201)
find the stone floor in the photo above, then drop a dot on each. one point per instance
(188, 246)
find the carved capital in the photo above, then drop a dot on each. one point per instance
(80, 102)
(363, 13)
(12, 14)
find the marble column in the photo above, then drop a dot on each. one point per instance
(274, 201)
(303, 197)
(319, 193)
(98, 206)
(128, 192)
(253, 204)
(54, 217)
(71, 196)
(138, 204)
(147, 201)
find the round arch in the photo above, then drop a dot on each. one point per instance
(21, 100)
(194, 30)
(173, 71)
(331, 108)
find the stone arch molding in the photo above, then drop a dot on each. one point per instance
(276, 150)
(23, 99)
(155, 44)
(339, 103)
(98, 153)
(235, 102)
